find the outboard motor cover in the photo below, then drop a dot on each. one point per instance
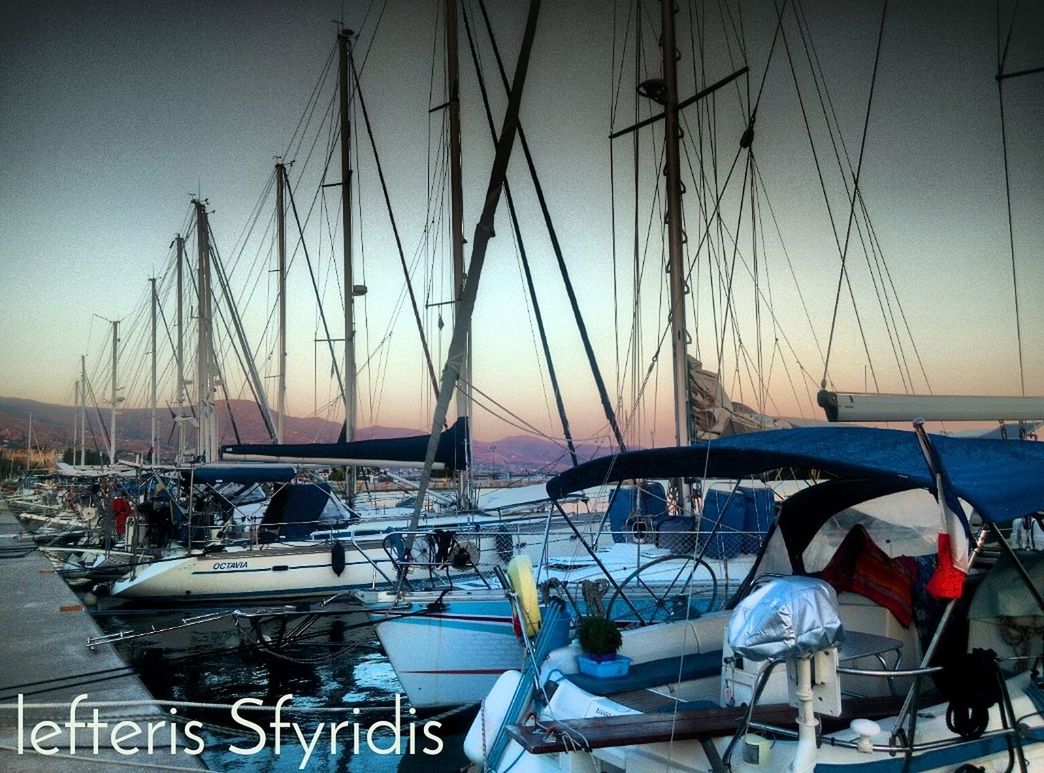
(789, 617)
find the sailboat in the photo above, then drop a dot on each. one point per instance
(470, 634)
(841, 590)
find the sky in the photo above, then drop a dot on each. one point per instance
(113, 115)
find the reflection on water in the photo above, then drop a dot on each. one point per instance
(335, 665)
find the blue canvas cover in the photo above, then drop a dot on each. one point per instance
(647, 500)
(378, 452)
(723, 514)
(1002, 479)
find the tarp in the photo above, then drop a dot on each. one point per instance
(295, 511)
(386, 452)
(1001, 479)
(217, 472)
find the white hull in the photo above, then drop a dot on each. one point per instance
(448, 657)
(453, 653)
(290, 570)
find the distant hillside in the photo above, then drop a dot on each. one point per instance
(53, 429)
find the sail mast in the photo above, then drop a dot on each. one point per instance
(280, 171)
(675, 265)
(180, 419)
(83, 411)
(112, 413)
(204, 358)
(464, 406)
(76, 420)
(153, 448)
(344, 39)
(454, 367)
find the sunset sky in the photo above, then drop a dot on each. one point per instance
(114, 114)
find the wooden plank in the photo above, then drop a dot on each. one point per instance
(697, 724)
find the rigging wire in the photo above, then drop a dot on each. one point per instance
(851, 215)
(1001, 60)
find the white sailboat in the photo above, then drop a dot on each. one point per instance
(720, 690)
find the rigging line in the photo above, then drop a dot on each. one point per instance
(1011, 231)
(1002, 58)
(739, 150)
(557, 247)
(395, 229)
(754, 214)
(902, 311)
(728, 301)
(790, 264)
(851, 213)
(313, 100)
(247, 359)
(315, 287)
(556, 389)
(522, 423)
(819, 81)
(883, 300)
(373, 37)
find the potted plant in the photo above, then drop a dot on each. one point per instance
(600, 639)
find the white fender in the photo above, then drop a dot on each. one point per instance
(490, 717)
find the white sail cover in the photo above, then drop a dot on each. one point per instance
(713, 414)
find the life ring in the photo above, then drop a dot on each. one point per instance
(520, 575)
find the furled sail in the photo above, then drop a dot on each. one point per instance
(713, 414)
(377, 452)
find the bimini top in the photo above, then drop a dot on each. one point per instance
(1001, 479)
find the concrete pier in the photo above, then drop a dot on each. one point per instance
(45, 664)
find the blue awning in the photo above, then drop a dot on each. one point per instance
(1002, 479)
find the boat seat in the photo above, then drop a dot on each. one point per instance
(652, 673)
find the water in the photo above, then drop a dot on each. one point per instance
(337, 668)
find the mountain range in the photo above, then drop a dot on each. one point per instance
(52, 428)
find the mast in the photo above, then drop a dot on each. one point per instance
(83, 411)
(281, 238)
(180, 420)
(344, 39)
(204, 351)
(154, 450)
(464, 492)
(76, 420)
(113, 398)
(29, 445)
(675, 265)
(453, 368)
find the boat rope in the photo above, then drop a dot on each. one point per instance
(524, 260)
(843, 275)
(106, 761)
(1001, 60)
(610, 413)
(196, 705)
(831, 122)
(395, 230)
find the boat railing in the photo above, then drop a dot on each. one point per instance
(899, 741)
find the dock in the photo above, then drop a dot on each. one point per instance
(46, 665)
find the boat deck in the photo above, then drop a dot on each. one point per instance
(46, 661)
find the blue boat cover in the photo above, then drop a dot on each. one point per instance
(378, 452)
(245, 472)
(1002, 479)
